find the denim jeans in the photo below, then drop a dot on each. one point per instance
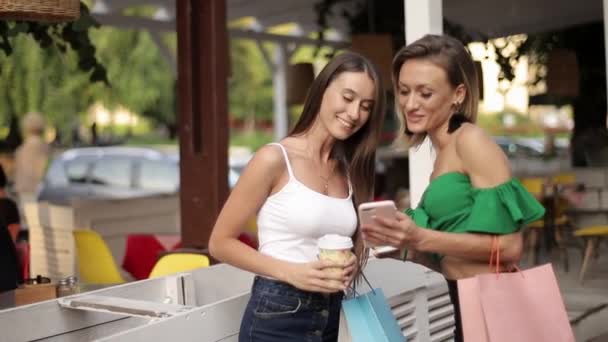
(280, 312)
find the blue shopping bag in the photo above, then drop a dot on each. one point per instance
(368, 318)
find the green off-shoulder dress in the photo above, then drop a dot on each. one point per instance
(452, 204)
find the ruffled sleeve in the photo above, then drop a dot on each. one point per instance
(420, 217)
(503, 209)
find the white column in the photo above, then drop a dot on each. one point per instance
(422, 17)
(605, 5)
(279, 83)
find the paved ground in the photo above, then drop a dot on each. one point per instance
(587, 303)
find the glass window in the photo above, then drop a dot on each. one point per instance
(76, 170)
(160, 176)
(112, 172)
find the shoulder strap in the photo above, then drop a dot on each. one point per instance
(286, 159)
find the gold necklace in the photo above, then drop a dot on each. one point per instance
(326, 180)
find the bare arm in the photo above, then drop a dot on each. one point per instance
(254, 186)
(403, 233)
(262, 174)
(469, 246)
(424, 259)
(487, 167)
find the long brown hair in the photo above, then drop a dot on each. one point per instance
(449, 54)
(357, 153)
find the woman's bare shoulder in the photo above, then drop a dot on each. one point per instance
(481, 156)
(268, 158)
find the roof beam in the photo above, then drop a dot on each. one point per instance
(139, 23)
(264, 8)
(134, 22)
(118, 5)
(279, 38)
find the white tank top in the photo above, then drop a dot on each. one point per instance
(292, 220)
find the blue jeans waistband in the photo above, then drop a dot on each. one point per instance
(272, 286)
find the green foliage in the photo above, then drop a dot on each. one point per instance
(55, 69)
(63, 36)
(50, 81)
(250, 85)
(253, 140)
(141, 80)
(36, 79)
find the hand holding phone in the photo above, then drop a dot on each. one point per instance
(367, 211)
(385, 209)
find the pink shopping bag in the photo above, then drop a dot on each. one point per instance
(471, 313)
(523, 306)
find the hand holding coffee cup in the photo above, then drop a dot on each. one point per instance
(336, 248)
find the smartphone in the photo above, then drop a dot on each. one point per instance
(381, 208)
(386, 209)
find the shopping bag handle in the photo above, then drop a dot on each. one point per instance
(352, 287)
(495, 258)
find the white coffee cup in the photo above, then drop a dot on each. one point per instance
(335, 247)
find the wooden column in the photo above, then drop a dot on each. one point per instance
(605, 12)
(203, 116)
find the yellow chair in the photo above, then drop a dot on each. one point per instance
(178, 262)
(564, 178)
(592, 235)
(561, 221)
(535, 186)
(95, 262)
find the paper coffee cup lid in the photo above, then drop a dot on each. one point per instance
(335, 241)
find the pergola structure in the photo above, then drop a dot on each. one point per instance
(202, 69)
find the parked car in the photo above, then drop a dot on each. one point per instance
(514, 148)
(114, 172)
(527, 157)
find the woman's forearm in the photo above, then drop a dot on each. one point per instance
(469, 245)
(424, 259)
(234, 252)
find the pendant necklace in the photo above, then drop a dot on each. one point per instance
(326, 181)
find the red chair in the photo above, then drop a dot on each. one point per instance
(23, 253)
(141, 254)
(249, 240)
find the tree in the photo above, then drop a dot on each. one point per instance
(141, 79)
(36, 79)
(63, 36)
(250, 84)
(42, 79)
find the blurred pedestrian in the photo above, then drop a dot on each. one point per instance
(31, 157)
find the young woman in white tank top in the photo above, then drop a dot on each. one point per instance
(302, 188)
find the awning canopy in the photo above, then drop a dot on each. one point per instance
(492, 18)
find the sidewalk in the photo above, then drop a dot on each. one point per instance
(587, 303)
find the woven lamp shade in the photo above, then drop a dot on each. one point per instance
(562, 73)
(378, 48)
(299, 78)
(40, 10)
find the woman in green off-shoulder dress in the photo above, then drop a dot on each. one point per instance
(472, 195)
